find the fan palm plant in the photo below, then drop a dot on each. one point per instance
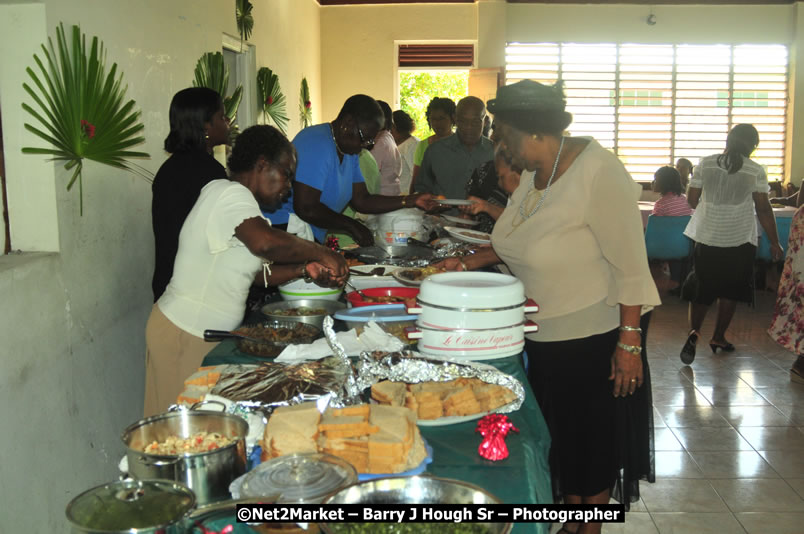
(212, 72)
(272, 101)
(82, 110)
(305, 107)
(245, 20)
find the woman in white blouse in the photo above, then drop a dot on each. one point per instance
(725, 191)
(573, 234)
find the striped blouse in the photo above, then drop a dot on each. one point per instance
(672, 205)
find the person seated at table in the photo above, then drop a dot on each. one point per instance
(328, 177)
(448, 164)
(573, 236)
(729, 192)
(197, 124)
(684, 168)
(673, 202)
(406, 142)
(491, 204)
(387, 156)
(440, 115)
(225, 245)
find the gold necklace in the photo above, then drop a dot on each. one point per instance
(332, 131)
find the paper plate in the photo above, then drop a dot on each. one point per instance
(402, 275)
(470, 236)
(454, 202)
(458, 220)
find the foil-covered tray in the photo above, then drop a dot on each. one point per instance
(412, 368)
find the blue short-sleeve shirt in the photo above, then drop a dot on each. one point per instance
(318, 166)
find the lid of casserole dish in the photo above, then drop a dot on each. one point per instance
(300, 478)
(472, 290)
(130, 506)
(378, 314)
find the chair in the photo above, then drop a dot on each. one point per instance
(665, 239)
(783, 229)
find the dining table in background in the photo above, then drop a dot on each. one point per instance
(646, 207)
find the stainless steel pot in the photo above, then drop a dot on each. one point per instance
(133, 507)
(208, 474)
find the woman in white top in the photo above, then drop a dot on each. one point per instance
(573, 234)
(387, 155)
(725, 191)
(225, 245)
(402, 131)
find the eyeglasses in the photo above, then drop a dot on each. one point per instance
(368, 144)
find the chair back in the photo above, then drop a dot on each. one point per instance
(783, 229)
(665, 239)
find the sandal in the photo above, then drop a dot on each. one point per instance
(725, 347)
(688, 351)
(797, 371)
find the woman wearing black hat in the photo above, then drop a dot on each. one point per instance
(573, 235)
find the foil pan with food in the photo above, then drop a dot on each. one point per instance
(267, 339)
(438, 389)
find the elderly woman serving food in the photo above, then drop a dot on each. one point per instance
(226, 245)
(573, 235)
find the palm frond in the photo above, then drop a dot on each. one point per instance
(305, 106)
(245, 20)
(80, 109)
(212, 72)
(272, 101)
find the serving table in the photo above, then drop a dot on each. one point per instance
(522, 478)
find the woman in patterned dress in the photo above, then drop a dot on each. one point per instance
(787, 325)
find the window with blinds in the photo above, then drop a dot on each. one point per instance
(653, 104)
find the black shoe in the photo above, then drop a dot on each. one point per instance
(688, 351)
(728, 347)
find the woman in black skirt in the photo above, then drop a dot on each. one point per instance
(726, 189)
(573, 235)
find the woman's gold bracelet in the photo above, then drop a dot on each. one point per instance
(627, 328)
(633, 349)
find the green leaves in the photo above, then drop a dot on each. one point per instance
(245, 20)
(272, 101)
(305, 106)
(212, 72)
(80, 109)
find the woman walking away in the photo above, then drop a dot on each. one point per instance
(725, 189)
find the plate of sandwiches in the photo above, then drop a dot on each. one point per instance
(375, 439)
(444, 403)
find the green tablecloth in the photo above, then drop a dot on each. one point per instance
(523, 477)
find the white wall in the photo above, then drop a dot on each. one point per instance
(72, 322)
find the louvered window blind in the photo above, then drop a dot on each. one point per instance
(652, 104)
(436, 55)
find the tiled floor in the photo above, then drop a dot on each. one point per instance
(729, 432)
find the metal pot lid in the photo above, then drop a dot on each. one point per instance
(307, 477)
(472, 290)
(130, 506)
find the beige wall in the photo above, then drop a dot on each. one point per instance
(358, 45)
(72, 322)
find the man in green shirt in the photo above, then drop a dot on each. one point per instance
(448, 163)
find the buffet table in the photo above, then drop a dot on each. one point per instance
(523, 477)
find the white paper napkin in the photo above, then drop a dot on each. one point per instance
(372, 338)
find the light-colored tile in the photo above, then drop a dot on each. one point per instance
(797, 484)
(732, 464)
(681, 495)
(711, 439)
(692, 416)
(739, 396)
(676, 464)
(722, 378)
(794, 413)
(668, 379)
(635, 523)
(771, 523)
(665, 440)
(754, 416)
(773, 438)
(698, 523)
(790, 394)
(772, 378)
(757, 363)
(658, 420)
(678, 396)
(759, 495)
(789, 464)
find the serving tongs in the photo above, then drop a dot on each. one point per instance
(220, 335)
(377, 271)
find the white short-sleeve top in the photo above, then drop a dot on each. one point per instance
(213, 269)
(725, 216)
